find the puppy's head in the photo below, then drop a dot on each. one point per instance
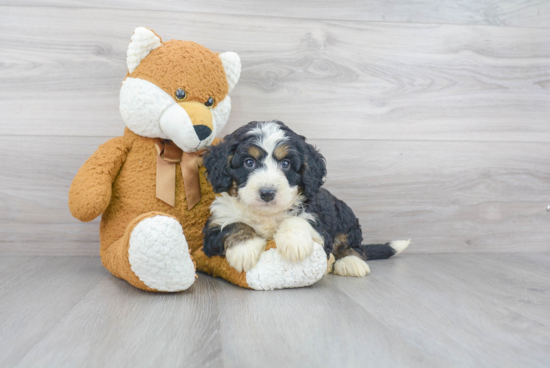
(266, 165)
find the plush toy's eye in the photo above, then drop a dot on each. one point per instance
(209, 102)
(285, 164)
(249, 163)
(180, 94)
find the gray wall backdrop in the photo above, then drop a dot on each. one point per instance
(434, 116)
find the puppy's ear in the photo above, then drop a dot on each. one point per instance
(314, 171)
(217, 161)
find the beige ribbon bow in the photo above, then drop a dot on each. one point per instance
(168, 156)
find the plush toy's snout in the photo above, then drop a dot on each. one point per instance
(201, 118)
(189, 124)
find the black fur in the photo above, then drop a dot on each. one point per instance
(314, 170)
(217, 163)
(213, 239)
(336, 222)
(217, 241)
(336, 219)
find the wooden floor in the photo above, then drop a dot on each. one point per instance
(415, 310)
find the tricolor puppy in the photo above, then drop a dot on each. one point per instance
(270, 183)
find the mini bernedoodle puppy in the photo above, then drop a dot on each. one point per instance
(270, 183)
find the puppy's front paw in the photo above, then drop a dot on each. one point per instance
(294, 239)
(244, 256)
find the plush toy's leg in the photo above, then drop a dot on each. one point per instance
(152, 255)
(271, 272)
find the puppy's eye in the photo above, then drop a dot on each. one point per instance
(249, 163)
(209, 102)
(285, 164)
(180, 94)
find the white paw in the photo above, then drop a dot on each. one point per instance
(351, 266)
(244, 256)
(294, 239)
(159, 254)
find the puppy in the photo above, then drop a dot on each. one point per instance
(270, 183)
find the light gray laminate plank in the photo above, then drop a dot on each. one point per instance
(317, 326)
(521, 287)
(530, 13)
(462, 308)
(454, 310)
(446, 196)
(35, 295)
(532, 262)
(333, 79)
(118, 325)
(8, 262)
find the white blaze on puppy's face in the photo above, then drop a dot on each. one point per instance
(269, 177)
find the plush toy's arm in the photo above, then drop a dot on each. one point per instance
(90, 191)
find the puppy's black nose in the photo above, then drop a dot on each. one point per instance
(267, 195)
(202, 131)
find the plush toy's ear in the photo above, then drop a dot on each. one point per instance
(314, 171)
(143, 42)
(217, 162)
(232, 65)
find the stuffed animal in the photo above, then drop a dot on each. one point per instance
(149, 185)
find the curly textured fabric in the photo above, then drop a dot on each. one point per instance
(232, 65)
(159, 255)
(143, 41)
(187, 65)
(273, 272)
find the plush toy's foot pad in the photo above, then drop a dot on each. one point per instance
(274, 272)
(159, 254)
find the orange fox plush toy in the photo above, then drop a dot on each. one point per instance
(149, 185)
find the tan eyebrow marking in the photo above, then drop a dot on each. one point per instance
(281, 151)
(254, 152)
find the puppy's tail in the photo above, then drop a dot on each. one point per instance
(383, 251)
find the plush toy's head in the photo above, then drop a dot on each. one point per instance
(177, 90)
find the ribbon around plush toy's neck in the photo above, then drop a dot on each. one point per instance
(168, 156)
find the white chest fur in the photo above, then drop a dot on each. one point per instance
(228, 210)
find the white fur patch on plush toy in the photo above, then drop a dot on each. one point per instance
(141, 106)
(232, 65)
(143, 42)
(274, 272)
(176, 124)
(159, 254)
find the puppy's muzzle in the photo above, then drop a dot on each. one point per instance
(267, 194)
